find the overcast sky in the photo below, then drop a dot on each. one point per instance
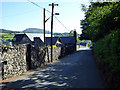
(17, 15)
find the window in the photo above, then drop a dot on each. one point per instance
(24, 39)
(14, 39)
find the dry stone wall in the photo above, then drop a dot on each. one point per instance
(0, 64)
(19, 59)
(13, 61)
(56, 53)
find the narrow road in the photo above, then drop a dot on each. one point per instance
(77, 70)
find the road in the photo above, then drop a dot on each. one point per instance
(77, 70)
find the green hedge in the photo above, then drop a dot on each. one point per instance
(108, 52)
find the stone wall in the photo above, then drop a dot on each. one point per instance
(13, 61)
(56, 53)
(19, 59)
(38, 57)
(0, 64)
(43, 55)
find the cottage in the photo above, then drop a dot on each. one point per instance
(41, 36)
(68, 40)
(26, 39)
(61, 41)
(21, 39)
(38, 42)
(56, 41)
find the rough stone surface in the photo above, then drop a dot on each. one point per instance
(14, 61)
(18, 59)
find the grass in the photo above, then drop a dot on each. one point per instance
(7, 37)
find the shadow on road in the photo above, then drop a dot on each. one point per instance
(46, 77)
(72, 71)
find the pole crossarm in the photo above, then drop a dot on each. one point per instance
(53, 4)
(47, 19)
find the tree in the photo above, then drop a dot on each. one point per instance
(100, 20)
(71, 33)
(83, 7)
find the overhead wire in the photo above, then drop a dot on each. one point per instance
(61, 23)
(35, 4)
(50, 17)
(38, 6)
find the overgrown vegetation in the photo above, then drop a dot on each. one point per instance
(101, 25)
(108, 52)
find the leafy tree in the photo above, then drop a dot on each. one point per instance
(101, 25)
(71, 33)
(100, 20)
(83, 7)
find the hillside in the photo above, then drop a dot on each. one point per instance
(35, 30)
(7, 31)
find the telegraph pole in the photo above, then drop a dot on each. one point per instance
(52, 28)
(75, 36)
(44, 26)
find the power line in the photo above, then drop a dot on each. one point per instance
(39, 6)
(61, 23)
(35, 4)
(50, 17)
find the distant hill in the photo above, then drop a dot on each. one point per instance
(7, 31)
(35, 30)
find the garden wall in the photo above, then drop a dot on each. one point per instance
(13, 61)
(19, 59)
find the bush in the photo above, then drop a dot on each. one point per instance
(108, 52)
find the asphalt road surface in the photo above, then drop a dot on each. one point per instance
(77, 70)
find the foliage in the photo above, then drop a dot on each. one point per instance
(100, 20)
(72, 34)
(6, 38)
(61, 34)
(83, 7)
(108, 52)
(101, 25)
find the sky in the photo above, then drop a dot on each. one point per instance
(17, 15)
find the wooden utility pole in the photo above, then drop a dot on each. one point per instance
(75, 36)
(52, 32)
(44, 26)
(52, 28)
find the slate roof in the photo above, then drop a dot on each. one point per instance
(32, 35)
(48, 40)
(18, 37)
(64, 40)
(68, 40)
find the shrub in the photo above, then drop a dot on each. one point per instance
(108, 52)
